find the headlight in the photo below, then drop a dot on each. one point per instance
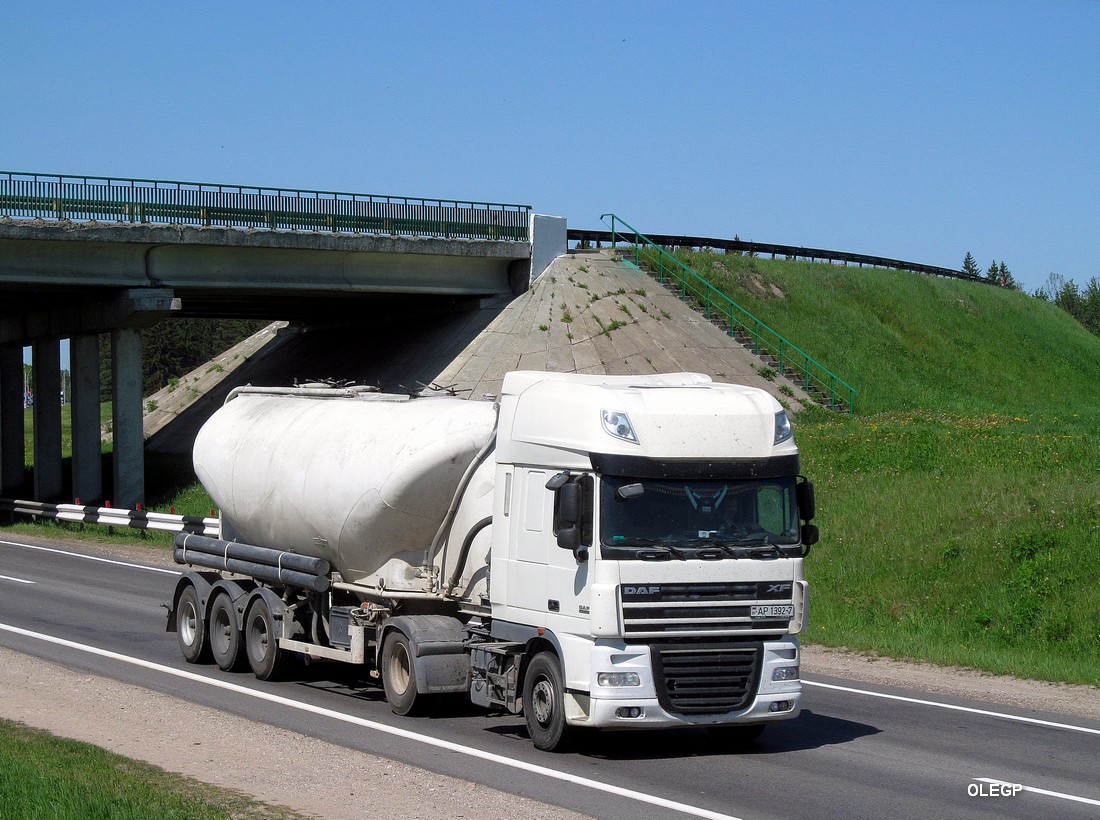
(785, 673)
(782, 427)
(618, 679)
(618, 424)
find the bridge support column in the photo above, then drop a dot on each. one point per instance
(46, 358)
(12, 428)
(87, 447)
(128, 457)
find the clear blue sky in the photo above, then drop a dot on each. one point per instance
(917, 130)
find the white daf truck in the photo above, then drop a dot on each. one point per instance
(614, 552)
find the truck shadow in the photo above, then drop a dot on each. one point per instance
(808, 731)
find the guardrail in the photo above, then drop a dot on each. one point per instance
(788, 251)
(112, 516)
(714, 304)
(82, 198)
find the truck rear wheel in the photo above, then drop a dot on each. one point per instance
(191, 628)
(544, 702)
(225, 638)
(261, 646)
(398, 674)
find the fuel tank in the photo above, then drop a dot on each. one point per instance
(361, 479)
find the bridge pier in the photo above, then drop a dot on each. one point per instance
(46, 359)
(87, 447)
(128, 456)
(12, 427)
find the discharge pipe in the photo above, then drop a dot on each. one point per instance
(264, 563)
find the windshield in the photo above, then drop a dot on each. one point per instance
(656, 519)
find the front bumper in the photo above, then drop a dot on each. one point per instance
(625, 707)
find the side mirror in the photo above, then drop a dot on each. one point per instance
(557, 481)
(569, 504)
(810, 535)
(572, 513)
(569, 538)
(806, 503)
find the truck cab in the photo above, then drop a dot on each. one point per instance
(648, 536)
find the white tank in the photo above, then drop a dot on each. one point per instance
(363, 480)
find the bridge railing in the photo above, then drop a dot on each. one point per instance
(814, 376)
(789, 251)
(195, 203)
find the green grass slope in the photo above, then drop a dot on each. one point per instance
(960, 505)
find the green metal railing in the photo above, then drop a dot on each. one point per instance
(715, 305)
(197, 203)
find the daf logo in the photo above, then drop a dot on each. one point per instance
(641, 590)
(779, 588)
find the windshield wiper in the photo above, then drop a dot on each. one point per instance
(753, 548)
(653, 548)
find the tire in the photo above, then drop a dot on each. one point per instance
(399, 674)
(736, 737)
(544, 703)
(224, 636)
(267, 660)
(191, 627)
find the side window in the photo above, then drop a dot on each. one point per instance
(770, 509)
(534, 506)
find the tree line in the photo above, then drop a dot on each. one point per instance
(1082, 303)
(997, 272)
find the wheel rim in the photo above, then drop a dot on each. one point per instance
(542, 699)
(188, 623)
(258, 637)
(399, 669)
(221, 631)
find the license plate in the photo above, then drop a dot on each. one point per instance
(771, 612)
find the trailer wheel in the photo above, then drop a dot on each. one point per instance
(265, 657)
(191, 628)
(225, 638)
(398, 674)
(544, 702)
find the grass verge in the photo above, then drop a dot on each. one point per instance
(51, 778)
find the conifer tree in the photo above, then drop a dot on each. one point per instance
(970, 266)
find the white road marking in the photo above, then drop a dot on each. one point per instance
(543, 771)
(17, 580)
(969, 709)
(90, 557)
(1045, 792)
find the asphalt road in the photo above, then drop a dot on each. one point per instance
(856, 751)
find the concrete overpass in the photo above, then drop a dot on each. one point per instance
(80, 257)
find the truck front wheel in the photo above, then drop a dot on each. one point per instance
(544, 702)
(191, 628)
(398, 674)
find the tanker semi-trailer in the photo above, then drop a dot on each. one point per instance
(604, 551)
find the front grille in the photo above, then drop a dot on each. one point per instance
(700, 679)
(701, 609)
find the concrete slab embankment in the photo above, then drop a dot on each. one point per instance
(589, 313)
